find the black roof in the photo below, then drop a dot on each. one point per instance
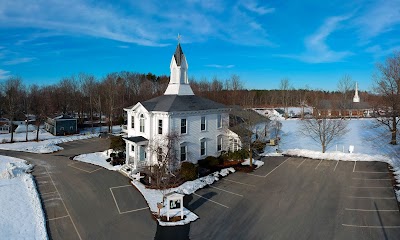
(137, 139)
(179, 103)
(178, 54)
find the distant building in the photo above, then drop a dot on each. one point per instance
(4, 125)
(61, 125)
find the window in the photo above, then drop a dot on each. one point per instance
(219, 143)
(141, 123)
(203, 123)
(183, 153)
(132, 122)
(183, 126)
(219, 121)
(159, 126)
(235, 145)
(159, 154)
(203, 149)
(132, 148)
(71, 128)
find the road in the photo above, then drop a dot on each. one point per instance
(287, 198)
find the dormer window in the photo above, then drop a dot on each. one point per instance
(142, 123)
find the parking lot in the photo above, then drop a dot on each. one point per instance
(295, 198)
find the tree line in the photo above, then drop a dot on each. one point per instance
(89, 97)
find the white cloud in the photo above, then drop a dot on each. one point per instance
(220, 66)
(150, 23)
(379, 17)
(18, 61)
(4, 74)
(253, 6)
(317, 51)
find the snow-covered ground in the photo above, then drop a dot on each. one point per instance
(21, 214)
(20, 135)
(99, 159)
(48, 142)
(44, 146)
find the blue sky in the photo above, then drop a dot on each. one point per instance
(312, 43)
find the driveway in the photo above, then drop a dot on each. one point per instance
(287, 198)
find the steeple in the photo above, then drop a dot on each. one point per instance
(356, 98)
(178, 82)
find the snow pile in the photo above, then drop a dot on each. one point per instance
(98, 159)
(22, 128)
(257, 163)
(21, 212)
(336, 155)
(46, 146)
(154, 196)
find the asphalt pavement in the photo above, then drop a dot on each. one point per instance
(287, 198)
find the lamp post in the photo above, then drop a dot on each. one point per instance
(26, 123)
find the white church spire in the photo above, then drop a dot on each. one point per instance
(356, 98)
(178, 82)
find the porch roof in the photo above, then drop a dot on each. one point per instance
(136, 139)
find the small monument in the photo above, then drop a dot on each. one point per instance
(174, 204)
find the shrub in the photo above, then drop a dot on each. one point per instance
(188, 171)
(108, 159)
(121, 154)
(113, 155)
(117, 143)
(237, 155)
(212, 161)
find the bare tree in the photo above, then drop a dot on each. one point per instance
(12, 90)
(322, 130)
(345, 86)
(249, 126)
(387, 85)
(163, 172)
(284, 86)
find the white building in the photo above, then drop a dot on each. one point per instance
(201, 124)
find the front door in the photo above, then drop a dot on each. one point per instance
(142, 154)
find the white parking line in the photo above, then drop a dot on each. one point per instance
(134, 210)
(71, 165)
(363, 226)
(269, 172)
(226, 191)
(371, 210)
(369, 172)
(211, 200)
(375, 179)
(51, 219)
(301, 163)
(250, 185)
(50, 199)
(384, 198)
(116, 204)
(66, 209)
(336, 165)
(354, 168)
(369, 187)
(318, 164)
(47, 193)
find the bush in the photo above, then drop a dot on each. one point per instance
(108, 159)
(113, 155)
(208, 162)
(121, 154)
(237, 155)
(188, 171)
(117, 143)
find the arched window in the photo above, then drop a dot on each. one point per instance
(142, 123)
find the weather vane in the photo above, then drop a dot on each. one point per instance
(179, 38)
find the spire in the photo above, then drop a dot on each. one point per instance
(178, 82)
(356, 98)
(178, 54)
